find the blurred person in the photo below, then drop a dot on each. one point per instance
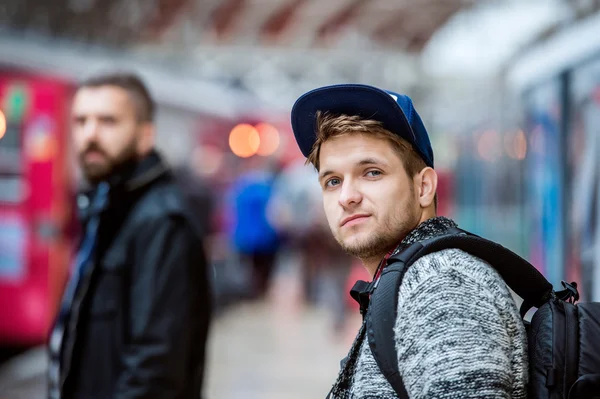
(199, 195)
(296, 211)
(252, 234)
(375, 165)
(134, 318)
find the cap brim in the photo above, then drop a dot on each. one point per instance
(364, 101)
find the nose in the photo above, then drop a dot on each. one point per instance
(89, 130)
(349, 194)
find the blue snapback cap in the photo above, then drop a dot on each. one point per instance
(395, 111)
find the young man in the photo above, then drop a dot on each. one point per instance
(134, 318)
(458, 333)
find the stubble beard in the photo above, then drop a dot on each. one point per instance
(97, 172)
(384, 239)
(374, 246)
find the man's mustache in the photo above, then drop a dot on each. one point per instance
(93, 148)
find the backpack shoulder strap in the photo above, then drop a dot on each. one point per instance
(518, 274)
(381, 317)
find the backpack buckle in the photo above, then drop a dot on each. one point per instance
(361, 293)
(570, 293)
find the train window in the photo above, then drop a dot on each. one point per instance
(12, 189)
(10, 150)
(12, 248)
(11, 137)
(544, 178)
(583, 183)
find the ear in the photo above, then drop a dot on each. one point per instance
(427, 186)
(147, 138)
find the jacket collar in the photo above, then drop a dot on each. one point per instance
(138, 174)
(129, 178)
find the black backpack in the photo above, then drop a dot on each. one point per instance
(564, 338)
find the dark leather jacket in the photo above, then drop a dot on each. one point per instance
(144, 310)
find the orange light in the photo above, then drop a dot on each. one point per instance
(520, 145)
(487, 145)
(269, 139)
(2, 125)
(207, 160)
(510, 144)
(515, 145)
(244, 140)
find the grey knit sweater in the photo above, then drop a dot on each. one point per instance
(458, 332)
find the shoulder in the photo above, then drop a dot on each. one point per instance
(162, 198)
(454, 308)
(163, 205)
(449, 269)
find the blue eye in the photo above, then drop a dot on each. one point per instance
(332, 182)
(374, 173)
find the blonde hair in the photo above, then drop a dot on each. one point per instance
(329, 126)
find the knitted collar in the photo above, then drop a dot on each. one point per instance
(430, 228)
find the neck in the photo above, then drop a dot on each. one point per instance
(372, 264)
(427, 214)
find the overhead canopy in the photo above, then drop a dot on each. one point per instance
(395, 24)
(456, 35)
(481, 40)
(183, 91)
(276, 49)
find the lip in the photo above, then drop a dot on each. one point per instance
(353, 217)
(93, 155)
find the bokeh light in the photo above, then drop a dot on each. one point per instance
(515, 145)
(207, 160)
(489, 145)
(269, 139)
(2, 125)
(244, 140)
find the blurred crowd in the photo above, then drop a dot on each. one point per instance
(271, 219)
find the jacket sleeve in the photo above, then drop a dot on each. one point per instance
(166, 294)
(456, 333)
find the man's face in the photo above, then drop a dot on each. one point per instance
(369, 199)
(105, 130)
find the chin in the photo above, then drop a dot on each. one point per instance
(354, 245)
(357, 237)
(367, 244)
(95, 174)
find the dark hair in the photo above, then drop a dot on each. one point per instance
(133, 84)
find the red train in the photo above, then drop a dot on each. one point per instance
(36, 211)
